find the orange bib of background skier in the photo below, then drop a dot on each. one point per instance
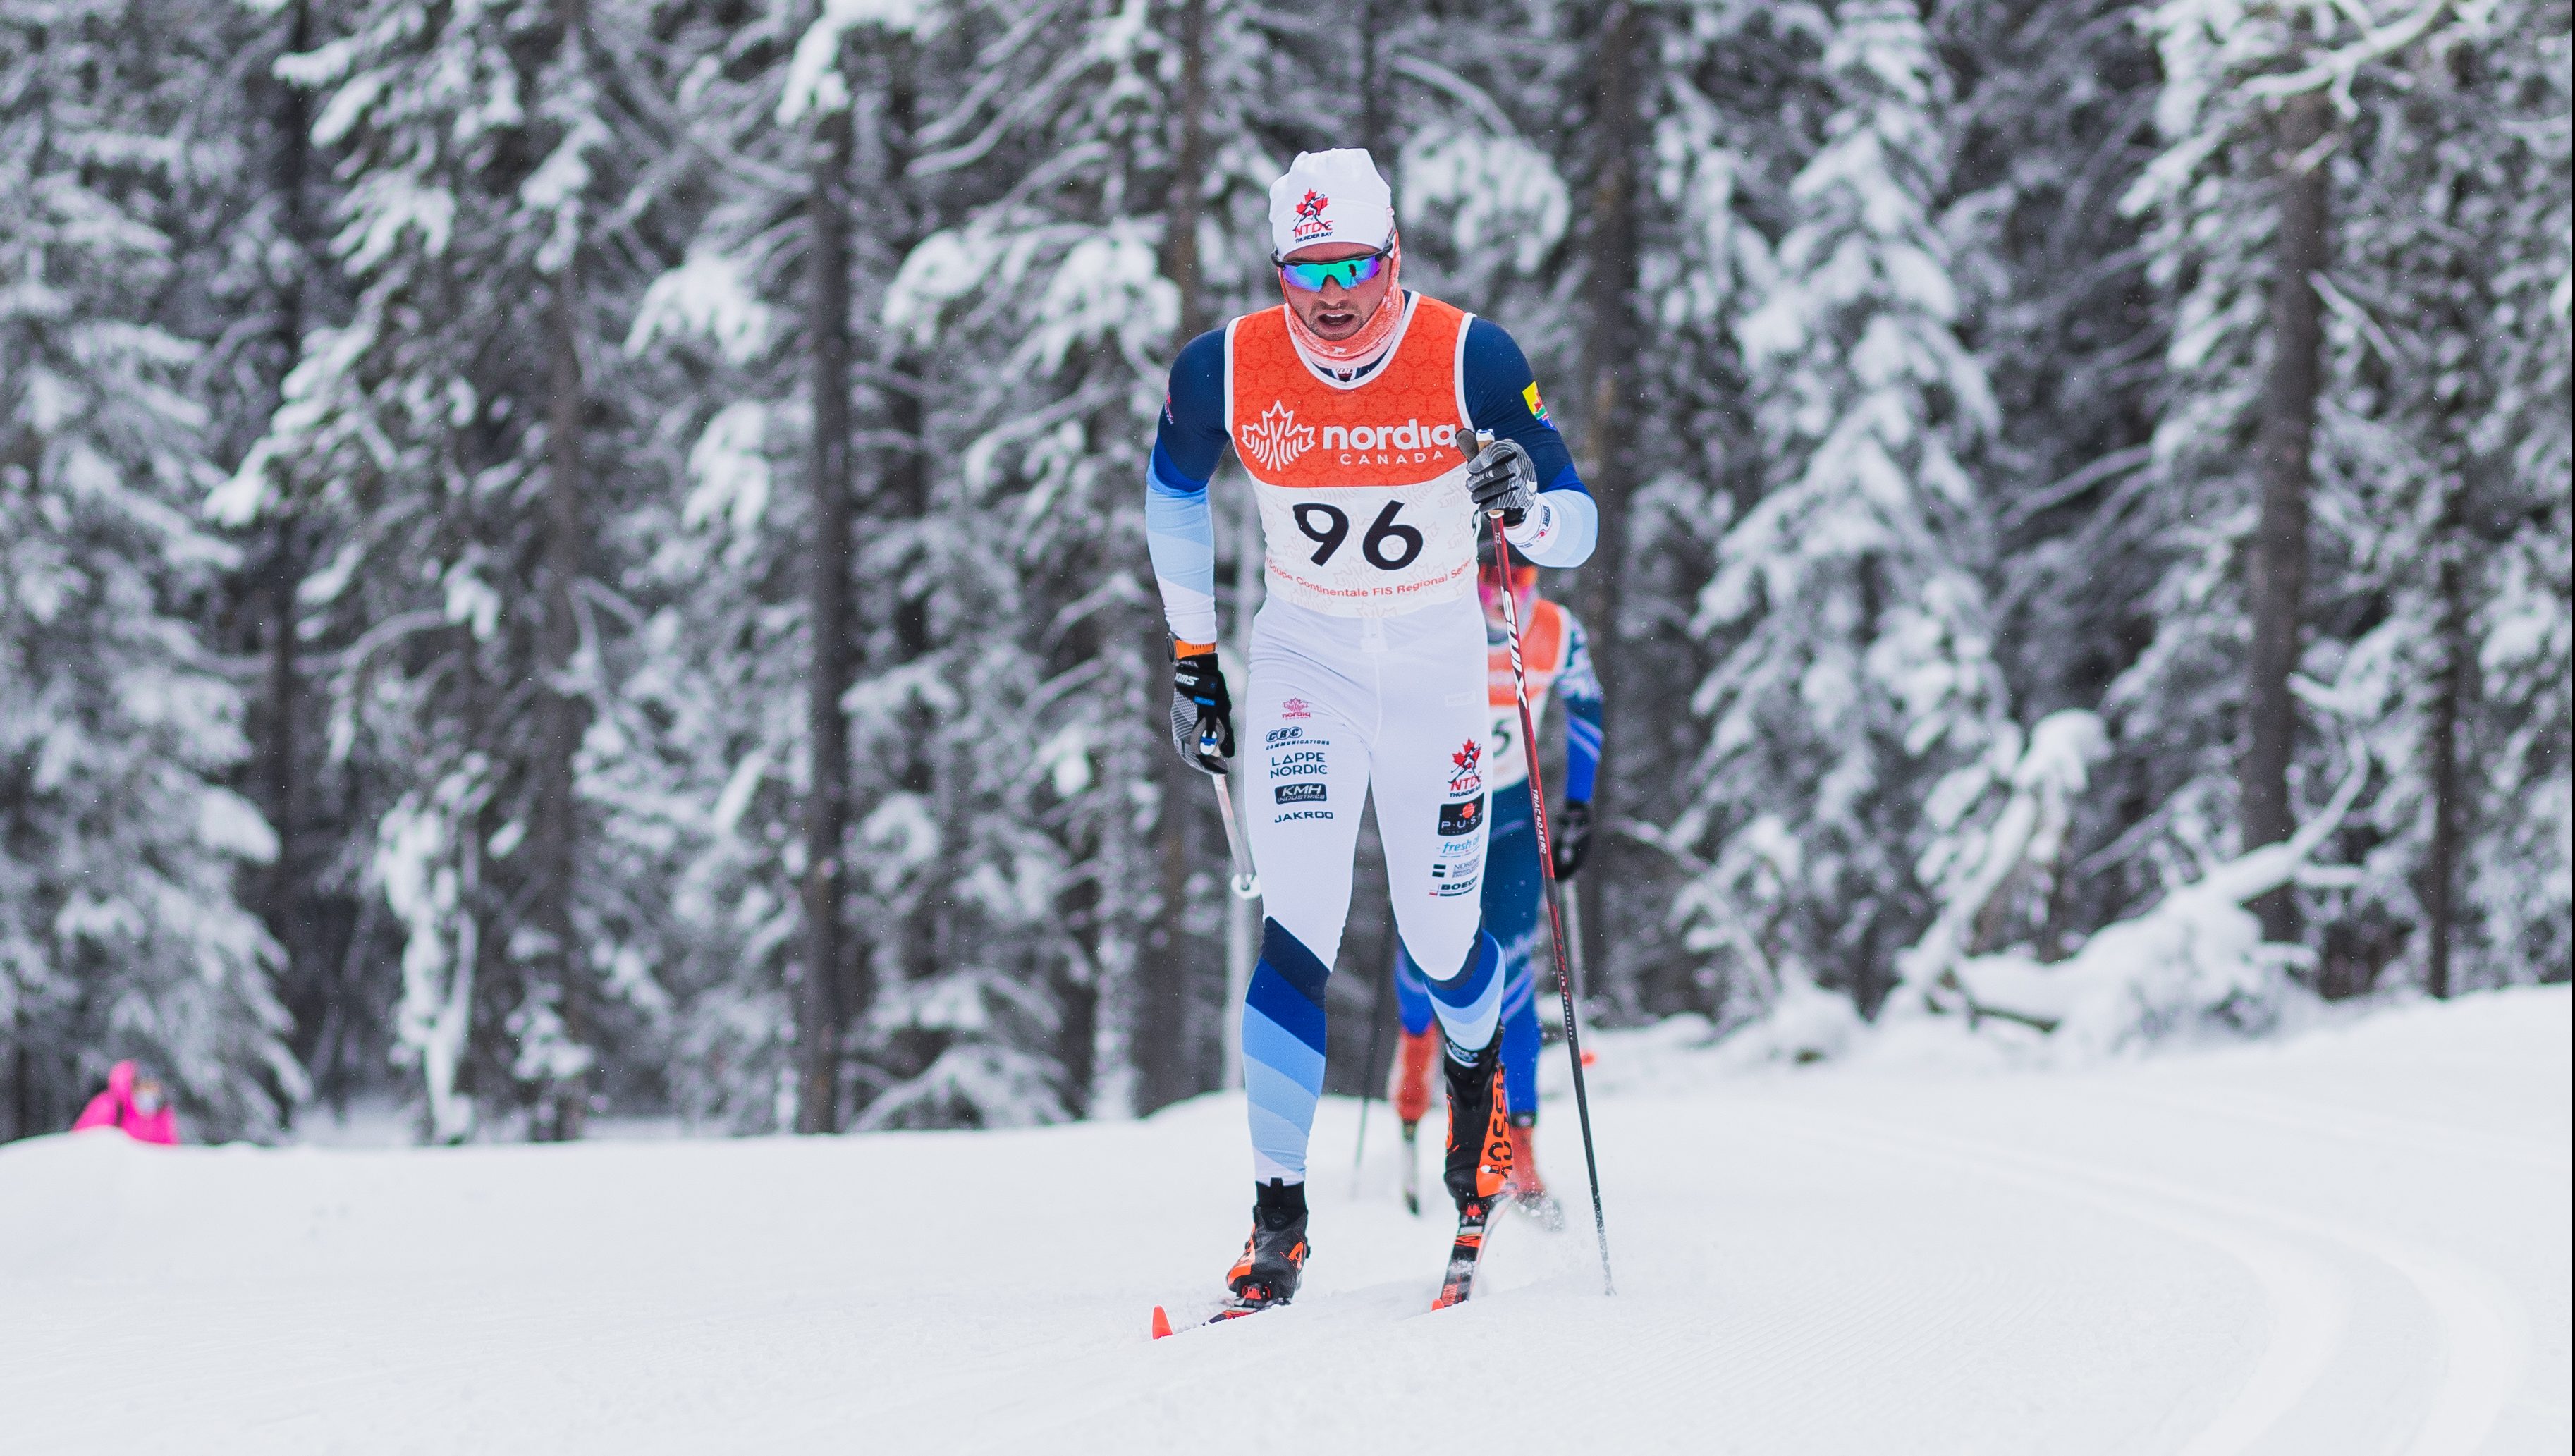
(1363, 488)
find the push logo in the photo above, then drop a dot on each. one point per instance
(1276, 438)
(1462, 819)
(1310, 214)
(1307, 792)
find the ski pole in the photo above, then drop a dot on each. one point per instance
(1573, 938)
(1546, 875)
(1247, 882)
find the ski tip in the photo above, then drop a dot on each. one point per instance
(1162, 1323)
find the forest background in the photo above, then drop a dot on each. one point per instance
(568, 557)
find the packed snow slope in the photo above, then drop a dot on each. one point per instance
(2353, 1242)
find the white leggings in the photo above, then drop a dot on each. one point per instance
(1341, 706)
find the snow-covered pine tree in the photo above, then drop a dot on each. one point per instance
(2515, 879)
(119, 932)
(2436, 513)
(1848, 601)
(722, 340)
(464, 430)
(257, 275)
(2052, 128)
(2416, 143)
(1731, 105)
(1027, 718)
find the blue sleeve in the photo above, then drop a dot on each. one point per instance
(1502, 395)
(1579, 688)
(1179, 533)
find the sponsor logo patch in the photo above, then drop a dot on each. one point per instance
(1310, 214)
(1307, 792)
(1462, 819)
(1465, 769)
(1284, 736)
(1295, 762)
(1295, 707)
(1300, 814)
(1276, 438)
(1413, 439)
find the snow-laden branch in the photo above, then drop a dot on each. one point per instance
(2198, 955)
(2335, 70)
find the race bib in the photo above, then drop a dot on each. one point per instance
(1371, 551)
(1506, 766)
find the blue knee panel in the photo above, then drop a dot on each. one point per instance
(1282, 1052)
(1470, 1003)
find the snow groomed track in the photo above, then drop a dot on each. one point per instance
(2357, 1242)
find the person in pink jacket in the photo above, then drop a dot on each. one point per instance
(133, 1104)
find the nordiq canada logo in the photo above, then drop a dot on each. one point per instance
(1276, 438)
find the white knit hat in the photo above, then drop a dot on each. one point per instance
(1330, 196)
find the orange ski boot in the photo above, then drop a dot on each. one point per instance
(1479, 1131)
(1525, 1186)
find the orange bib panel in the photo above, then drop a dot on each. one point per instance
(1363, 489)
(1542, 643)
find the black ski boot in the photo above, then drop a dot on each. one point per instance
(1480, 1133)
(1274, 1258)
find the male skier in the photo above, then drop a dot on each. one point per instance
(1558, 662)
(1354, 408)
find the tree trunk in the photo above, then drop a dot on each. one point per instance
(285, 575)
(901, 493)
(2441, 869)
(1166, 1042)
(1188, 175)
(2277, 564)
(1605, 404)
(559, 709)
(827, 804)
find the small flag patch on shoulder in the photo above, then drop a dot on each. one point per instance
(1537, 411)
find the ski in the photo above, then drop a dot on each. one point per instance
(1230, 1309)
(1474, 1217)
(1413, 1168)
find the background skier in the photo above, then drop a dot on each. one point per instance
(1351, 406)
(1558, 661)
(133, 1104)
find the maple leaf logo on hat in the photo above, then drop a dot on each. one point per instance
(1310, 214)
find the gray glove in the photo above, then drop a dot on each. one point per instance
(1503, 478)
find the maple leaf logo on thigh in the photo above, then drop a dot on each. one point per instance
(1276, 438)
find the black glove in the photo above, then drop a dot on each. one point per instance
(1503, 478)
(1200, 709)
(1572, 831)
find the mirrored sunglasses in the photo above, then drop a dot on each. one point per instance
(1348, 272)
